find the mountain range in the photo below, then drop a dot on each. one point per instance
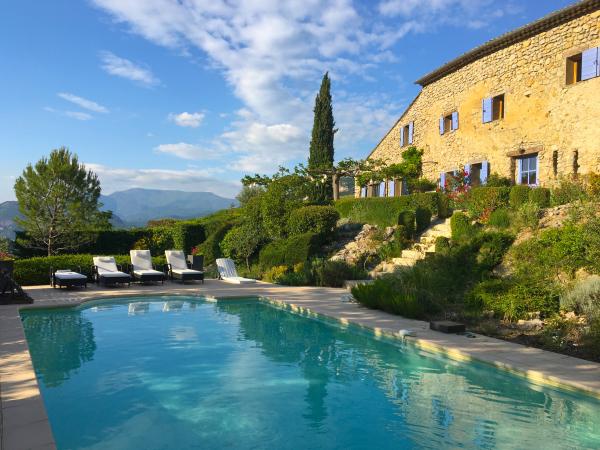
(135, 207)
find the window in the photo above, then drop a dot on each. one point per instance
(478, 173)
(449, 122)
(493, 108)
(406, 134)
(583, 66)
(527, 168)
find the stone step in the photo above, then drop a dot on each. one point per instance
(412, 254)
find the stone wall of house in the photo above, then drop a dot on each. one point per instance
(542, 113)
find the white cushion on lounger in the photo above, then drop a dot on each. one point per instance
(69, 275)
(176, 259)
(141, 273)
(141, 260)
(107, 267)
(185, 271)
(229, 274)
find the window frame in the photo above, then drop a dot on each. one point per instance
(529, 171)
(498, 107)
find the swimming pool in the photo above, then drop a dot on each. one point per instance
(180, 372)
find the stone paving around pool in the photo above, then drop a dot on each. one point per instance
(24, 423)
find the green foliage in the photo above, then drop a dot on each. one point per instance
(211, 248)
(5, 245)
(495, 180)
(314, 219)
(240, 243)
(584, 298)
(527, 215)
(282, 196)
(383, 211)
(444, 210)
(461, 227)
(185, 235)
(292, 250)
(248, 193)
(406, 220)
(519, 195)
(492, 248)
(274, 274)
(568, 191)
(422, 219)
(500, 218)
(486, 199)
(513, 298)
(334, 273)
(321, 143)
(394, 247)
(420, 185)
(540, 196)
(35, 271)
(59, 203)
(442, 244)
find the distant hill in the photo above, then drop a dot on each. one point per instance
(135, 207)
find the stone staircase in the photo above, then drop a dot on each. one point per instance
(424, 245)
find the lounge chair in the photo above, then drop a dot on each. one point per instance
(228, 273)
(67, 278)
(105, 271)
(141, 267)
(178, 267)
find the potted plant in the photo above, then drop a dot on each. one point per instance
(196, 259)
(6, 263)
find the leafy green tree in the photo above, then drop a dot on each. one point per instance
(321, 144)
(281, 197)
(240, 243)
(248, 193)
(58, 199)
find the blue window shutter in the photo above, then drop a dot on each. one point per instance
(411, 127)
(442, 125)
(589, 63)
(598, 63)
(392, 188)
(519, 162)
(442, 180)
(363, 191)
(487, 110)
(455, 120)
(382, 189)
(402, 137)
(537, 170)
(483, 175)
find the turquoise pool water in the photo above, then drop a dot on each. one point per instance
(182, 373)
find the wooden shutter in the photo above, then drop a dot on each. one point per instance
(402, 137)
(411, 127)
(483, 174)
(442, 125)
(589, 64)
(486, 108)
(455, 120)
(442, 180)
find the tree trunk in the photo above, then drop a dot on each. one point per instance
(336, 186)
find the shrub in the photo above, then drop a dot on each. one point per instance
(540, 196)
(519, 195)
(313, 219)
(383, 294)
(495, 180)
(512, 299)
(211, 248)
(334, 273)
(482, 199)
(393, 248)
(527, 215)
(492, 248)
(422, 219)
(593, 180)
(461, 227)
(273, 274)
(584, 298)
(499, 218)
(421, 185)
(406, 219)
(442, 244)
(240, 243)
(292, 250)
(444, 209)
(186, 234)
(567, 191)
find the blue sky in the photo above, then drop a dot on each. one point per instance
(192, 95)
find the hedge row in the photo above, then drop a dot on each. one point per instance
(384, 211)
(484, 198)
(35, 271)
(313, 219)
(290, 251)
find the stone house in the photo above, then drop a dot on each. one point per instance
(525, 105)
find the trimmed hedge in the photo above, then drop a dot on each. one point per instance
(290, 251)
(519, 195)
(540, 196)
(211, 247)
(422, 219)
(313, 219)
(406, 220)
(35, 271)
(483, 198)
(461, 227)
(383, 211)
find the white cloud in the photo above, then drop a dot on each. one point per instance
(186, 119)
(83, 102)
(125, 68)
(187, 151)
(79, 115)
(196, 180)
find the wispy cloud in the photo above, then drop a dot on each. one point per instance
(127, 69)
(79, 115)
(83, 102)
(187, 151)
(116, 179)
(186, 119)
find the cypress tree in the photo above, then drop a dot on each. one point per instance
(321, 142)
